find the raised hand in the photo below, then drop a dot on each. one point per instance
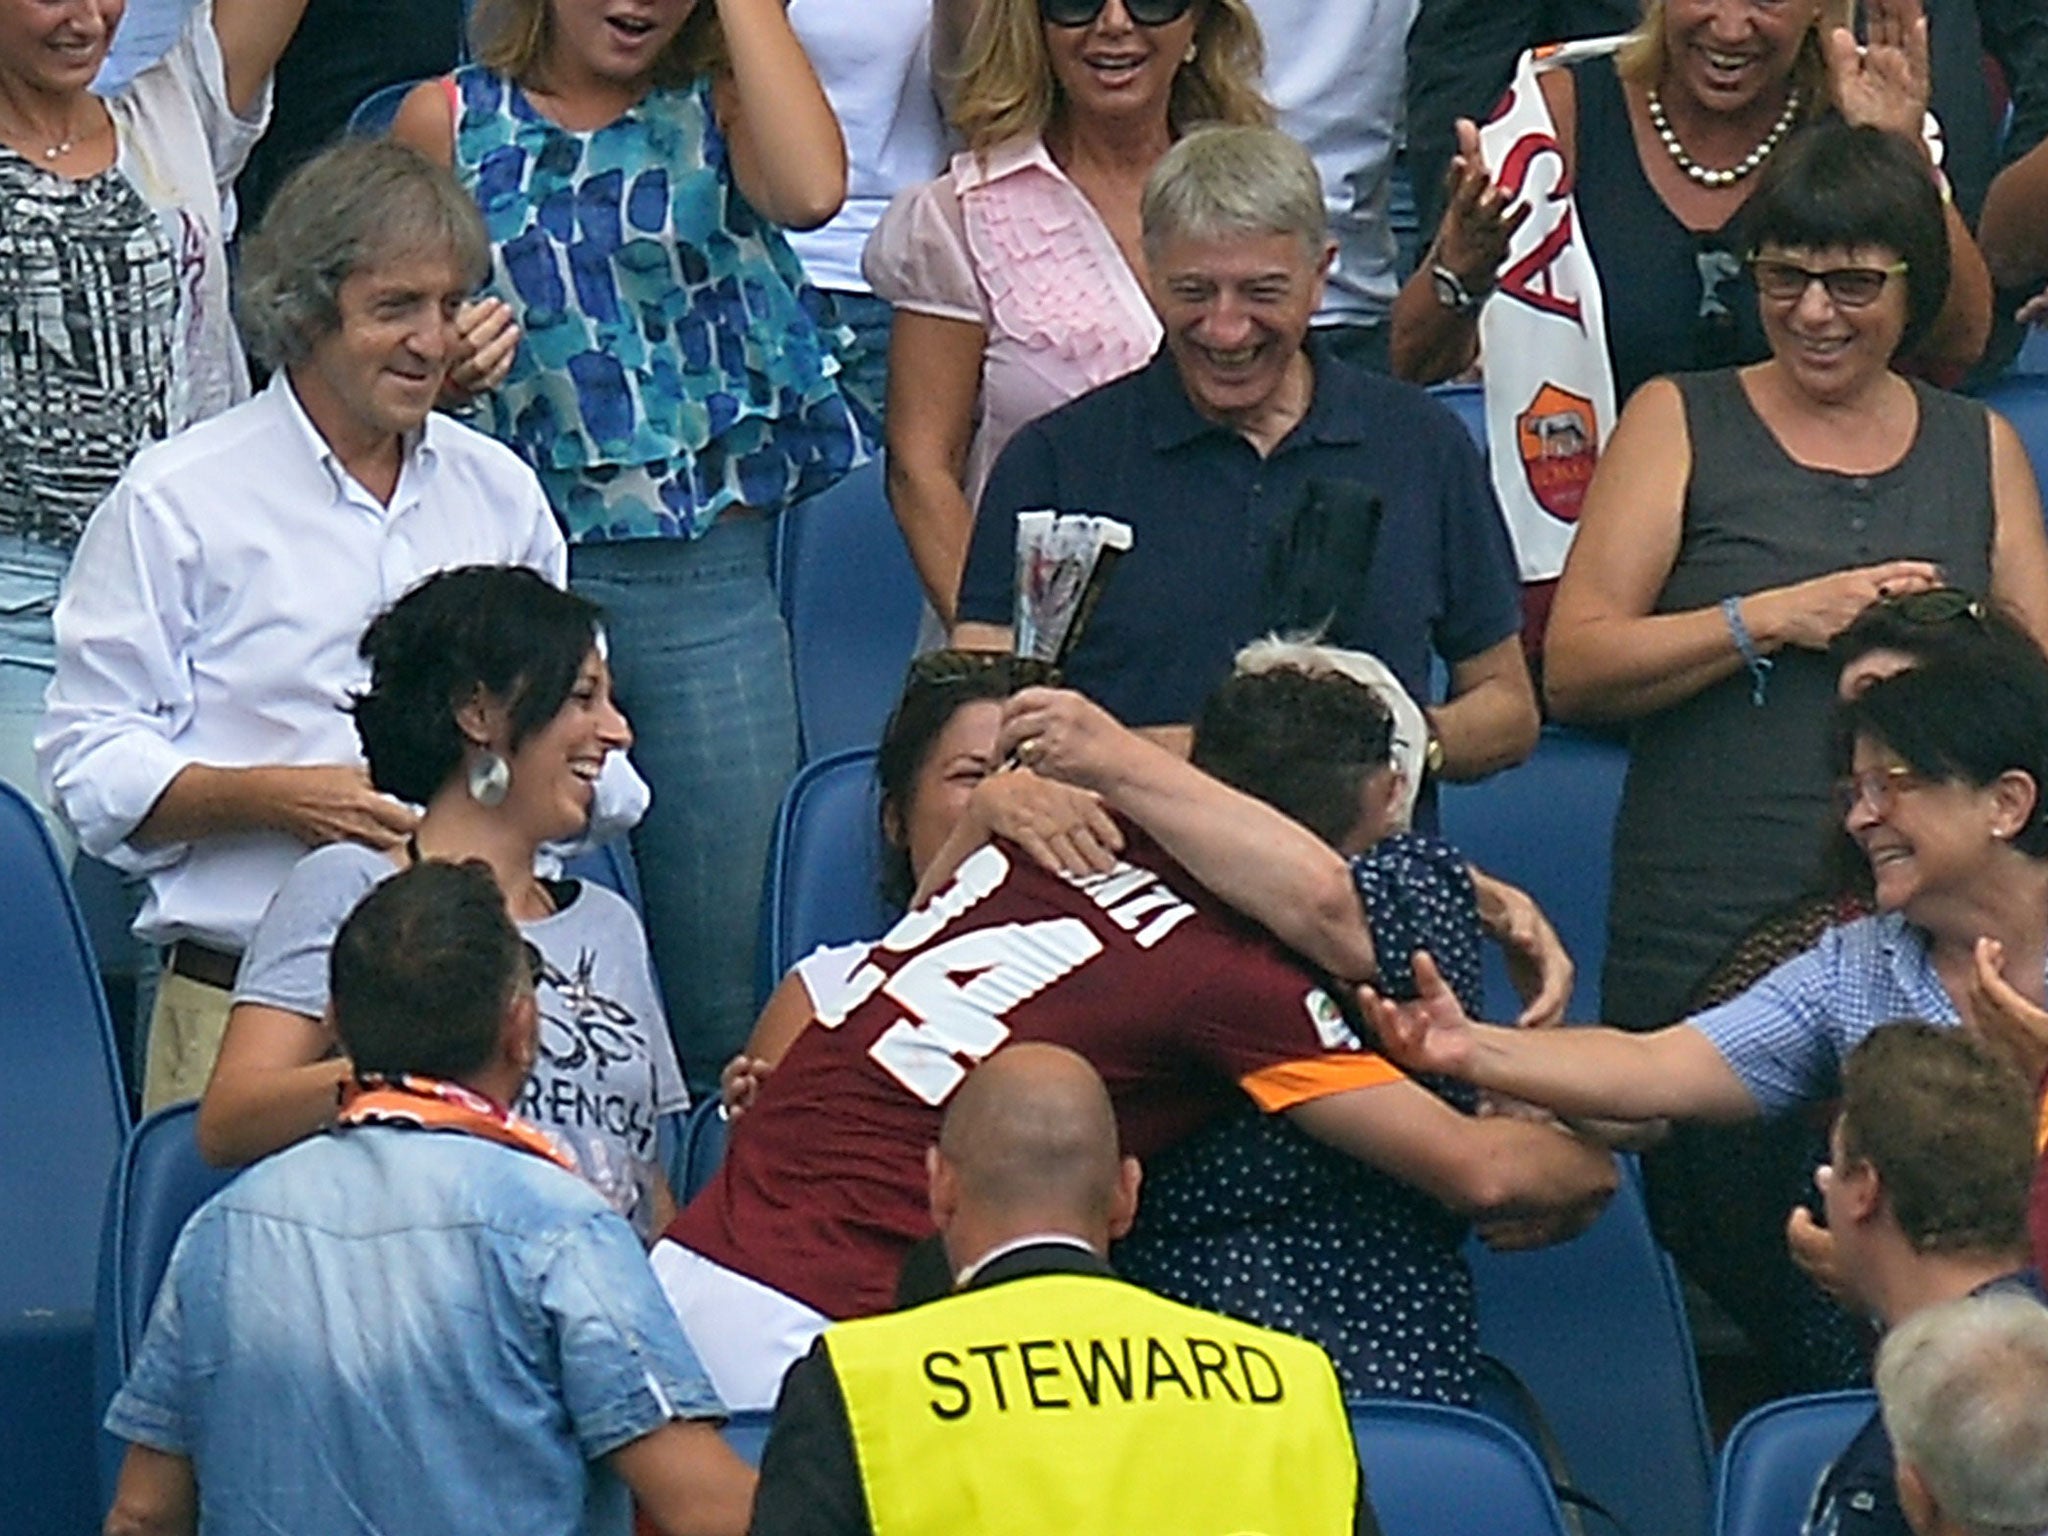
(1430, 1034)
(2002, 1018)
(1477, 225)
(1886, 82)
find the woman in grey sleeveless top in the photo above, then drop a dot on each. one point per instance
(1739, 520)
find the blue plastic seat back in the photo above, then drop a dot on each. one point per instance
(747, 1433)
(611, 866)
(1467, 402)
(159, 1182)
(1775, 1458)
(373, 115)
(853, 604)
(1548, 826)
(62, 1117)
(1596, 1329)
(700, 1145)
(2022, 399)
(823, 865)
(1436, 1471)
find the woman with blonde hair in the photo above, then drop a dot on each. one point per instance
(1661, 142)
(674, 387)
(1016, 275)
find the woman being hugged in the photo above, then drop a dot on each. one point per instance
(673, 388)
(490, 704)
(1015, 275)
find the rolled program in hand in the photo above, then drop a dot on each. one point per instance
(1063, 559)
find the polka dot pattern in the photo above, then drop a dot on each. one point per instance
(1255, 1219)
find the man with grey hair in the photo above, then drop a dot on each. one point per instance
(206, 635)
(1268, 484)
(1964, 1389)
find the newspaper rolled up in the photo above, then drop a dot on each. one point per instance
(1063, 559)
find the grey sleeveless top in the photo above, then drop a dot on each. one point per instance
(1726, 807)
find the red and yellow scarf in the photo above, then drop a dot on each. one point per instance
(433, 1104)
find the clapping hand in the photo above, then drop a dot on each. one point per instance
(2002, 1018)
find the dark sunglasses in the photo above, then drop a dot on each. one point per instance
(936, 669)
(1079, 13)
(1786, 282)
(1938, 605)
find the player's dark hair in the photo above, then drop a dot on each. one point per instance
(1305, 743)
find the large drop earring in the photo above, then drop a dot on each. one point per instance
(488, 778)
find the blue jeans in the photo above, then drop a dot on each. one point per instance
(700, 660)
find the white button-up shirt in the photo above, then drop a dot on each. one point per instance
(212, 614)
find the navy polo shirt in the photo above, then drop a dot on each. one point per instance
(1203, 509)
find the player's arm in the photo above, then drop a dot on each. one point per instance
(1490, 1168)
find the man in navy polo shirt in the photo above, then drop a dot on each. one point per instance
(1265, 484)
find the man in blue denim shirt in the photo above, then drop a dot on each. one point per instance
(420, 1321)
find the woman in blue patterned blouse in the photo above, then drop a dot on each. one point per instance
(676, 384)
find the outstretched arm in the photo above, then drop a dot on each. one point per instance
(1589, 1072)
(253, 35)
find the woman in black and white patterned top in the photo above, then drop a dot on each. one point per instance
(114, 322)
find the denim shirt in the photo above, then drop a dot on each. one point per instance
(398, 1330)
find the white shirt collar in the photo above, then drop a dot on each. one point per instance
(416, 453)
(1029, 1240)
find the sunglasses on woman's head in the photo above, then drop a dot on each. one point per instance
(1146, 13)
(1786, 282)
(937, 668)
(1939, 605)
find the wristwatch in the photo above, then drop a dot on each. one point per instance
(1433, 755)
(1451, 291)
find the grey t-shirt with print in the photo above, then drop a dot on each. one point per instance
(607, 1068)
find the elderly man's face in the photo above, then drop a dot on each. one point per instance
(1235, 312)
(377, 373)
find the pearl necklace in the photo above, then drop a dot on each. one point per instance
(1705, 176)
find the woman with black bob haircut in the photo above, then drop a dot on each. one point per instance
(489, 704)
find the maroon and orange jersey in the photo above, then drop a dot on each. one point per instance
(1180, 1003)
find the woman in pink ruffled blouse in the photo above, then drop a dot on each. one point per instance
(1015, 274)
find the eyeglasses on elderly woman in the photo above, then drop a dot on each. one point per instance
(1786, 282)
(1146, 13)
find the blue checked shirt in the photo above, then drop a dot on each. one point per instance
(1786, 1036)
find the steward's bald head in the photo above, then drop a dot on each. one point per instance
(1029, 1142)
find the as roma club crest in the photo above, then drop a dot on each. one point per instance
(1558, 444)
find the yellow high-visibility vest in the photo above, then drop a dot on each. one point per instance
(1079, 1405)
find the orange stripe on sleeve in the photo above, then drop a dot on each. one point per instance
(1281, 1087)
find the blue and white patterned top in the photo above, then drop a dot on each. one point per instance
(1785, 1037)
(1254, 1219)
(675, 361)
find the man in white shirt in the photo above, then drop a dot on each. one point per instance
(206, 635)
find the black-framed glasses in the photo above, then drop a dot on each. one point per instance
(1937, 605)
(935, 669)
(1880, 786)
(1786, 282)
(1146, 13)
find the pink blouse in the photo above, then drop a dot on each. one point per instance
(1007, 242)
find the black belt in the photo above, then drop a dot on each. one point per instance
(202, 963)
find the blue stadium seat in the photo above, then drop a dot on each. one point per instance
(611, 866)
(1435, 1471)
(822, 865)
(2022, 399)
(1468, 403)
(1774, 1460)
(853, 603)
(747, 1433)
(159, 1182)
(1596, 1328)
(62, 1116)
(700, 1144)
(1548, 826)
(373, 114)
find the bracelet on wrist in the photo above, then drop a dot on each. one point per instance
(1756, 661)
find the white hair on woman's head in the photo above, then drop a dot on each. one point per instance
(1410, 742)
